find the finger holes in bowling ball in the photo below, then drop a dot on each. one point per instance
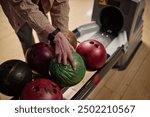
(46, 45)
(96, 45)
(54, 91)
(36, 89)
(41, 89)
(91, 42)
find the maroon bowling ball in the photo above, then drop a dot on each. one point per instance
(93, 54)
(39, 56)
(41, 89)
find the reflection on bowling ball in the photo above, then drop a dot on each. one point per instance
(14, 74)
(72, 38)
(39, 56)
(64, 75)
(41, 89)
(93, 53)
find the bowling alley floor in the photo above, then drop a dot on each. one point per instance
(133, 83)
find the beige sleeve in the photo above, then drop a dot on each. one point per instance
(60, 14)
(31, 14)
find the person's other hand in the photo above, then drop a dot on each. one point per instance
(63, 50)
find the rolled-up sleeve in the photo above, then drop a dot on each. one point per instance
(30, 12)
(60, 14)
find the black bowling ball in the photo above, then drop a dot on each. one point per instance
(14, 74)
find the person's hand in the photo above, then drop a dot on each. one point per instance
(63, 49)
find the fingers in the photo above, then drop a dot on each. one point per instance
(72, 61)
(63, 50)
(65, 59)
(58, 53)
(62, 57)
(59, 58)
(61, 54)
(72, 48)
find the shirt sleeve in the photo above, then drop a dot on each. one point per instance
(60, 14)
(30, 12)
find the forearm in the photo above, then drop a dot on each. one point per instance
(32, 15)
(60, 15)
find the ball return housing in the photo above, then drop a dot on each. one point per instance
(118, 25)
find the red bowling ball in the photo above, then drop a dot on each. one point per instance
(93, 54)
(41, 89)
(39, 56)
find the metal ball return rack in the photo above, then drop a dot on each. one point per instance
(118, 25)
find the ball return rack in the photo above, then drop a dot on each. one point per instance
(118, 25)
(115, 49)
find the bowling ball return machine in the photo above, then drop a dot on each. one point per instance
(118, 25)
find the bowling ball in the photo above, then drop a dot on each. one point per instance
(14, 74)
(93, 54)
(39, 56)
(41, 89)
(65, 75)
(72, 39)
